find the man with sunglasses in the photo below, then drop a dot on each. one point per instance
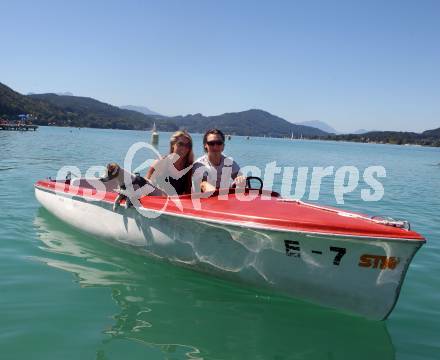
(214, 170)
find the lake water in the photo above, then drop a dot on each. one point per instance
(67, 295)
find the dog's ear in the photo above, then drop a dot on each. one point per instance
(112, 169)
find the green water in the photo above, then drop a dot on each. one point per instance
(67, 295)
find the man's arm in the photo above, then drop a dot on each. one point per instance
(237, 176)
(200, 178)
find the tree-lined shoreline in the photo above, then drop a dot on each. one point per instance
(76, 111)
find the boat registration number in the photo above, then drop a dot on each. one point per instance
(293, 249)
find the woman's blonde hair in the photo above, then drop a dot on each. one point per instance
(173, 140)
(189, 158)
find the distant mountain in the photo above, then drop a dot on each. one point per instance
(75, 111)
(67, 110)
(435, 133)
(319, 125)
(80, 111)
(142, 109)
(252, 122)
(359, 131)
(88, 112)
(13, 103)
(427, 138)
(67, 93)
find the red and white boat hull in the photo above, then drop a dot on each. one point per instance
(358, 274)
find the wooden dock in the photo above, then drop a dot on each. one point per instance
(18, 127)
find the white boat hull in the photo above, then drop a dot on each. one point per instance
(358, 275)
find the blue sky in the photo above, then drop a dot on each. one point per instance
(353, 64)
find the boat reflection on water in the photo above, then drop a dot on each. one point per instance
(176, 312)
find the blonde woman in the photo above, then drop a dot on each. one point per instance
(172, 173)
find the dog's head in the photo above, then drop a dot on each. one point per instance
(112, 172)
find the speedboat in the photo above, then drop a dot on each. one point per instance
(324, 255)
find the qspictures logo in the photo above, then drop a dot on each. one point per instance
(294, 181)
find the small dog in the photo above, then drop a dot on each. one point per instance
(120, 176)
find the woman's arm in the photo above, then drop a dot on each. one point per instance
(151, 169)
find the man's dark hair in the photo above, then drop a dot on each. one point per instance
(214, 132)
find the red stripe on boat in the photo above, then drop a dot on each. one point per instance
(270, 213)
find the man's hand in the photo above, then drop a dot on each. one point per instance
(240, 181)
(206, 187)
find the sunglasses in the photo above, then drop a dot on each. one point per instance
(215, 142)
(182, 143)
